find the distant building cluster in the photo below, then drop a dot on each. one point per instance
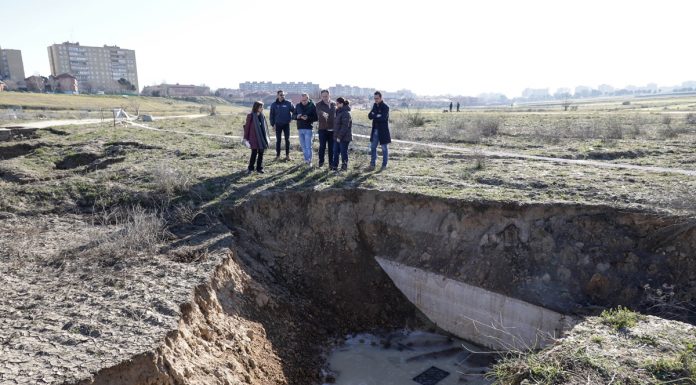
(111, 69)
(351, 91)
(176, 90)
(74, 69)
(270, 87)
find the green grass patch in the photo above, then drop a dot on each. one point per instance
(620, 318)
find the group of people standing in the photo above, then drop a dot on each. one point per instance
(334, 128)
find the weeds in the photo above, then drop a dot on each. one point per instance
(135, 230)
(170, 181)
(414, 119)
(691, 118)
(620, 318)
(679, 369)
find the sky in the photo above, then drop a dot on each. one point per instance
(433, 47)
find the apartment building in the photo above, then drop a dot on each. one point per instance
(351, 91)
(290, 88)
(11, 65)
(176, 90)
(110, 69)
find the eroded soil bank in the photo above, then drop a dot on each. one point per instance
(302, 273)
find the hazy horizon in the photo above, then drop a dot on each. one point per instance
(437, 48)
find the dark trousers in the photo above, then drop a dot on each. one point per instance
(340, 148)
(325, 136)
(283, 128)
(256, 159)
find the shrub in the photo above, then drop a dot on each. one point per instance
(691, 118)
(414, 119)
(488, 126)
(620, 318)
(666, 119)
(170, 181)
(626, 103)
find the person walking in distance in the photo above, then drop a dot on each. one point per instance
(343, 124)
(305, 114)
(326, 111)
(450, 106)
(380, 131)
(280, 117)
(256, 134)
(457, 106)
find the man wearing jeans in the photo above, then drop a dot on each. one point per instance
(280, 117)
(380, 131)
(326, 111)
(305, 114)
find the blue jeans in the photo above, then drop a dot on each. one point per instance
(342, 148)
(306, 143)
(325, 137)
(374, 141)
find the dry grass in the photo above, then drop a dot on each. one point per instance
(132, 231)
(169, 181)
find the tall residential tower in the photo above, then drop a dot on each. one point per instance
(11, 65)
(110, 68)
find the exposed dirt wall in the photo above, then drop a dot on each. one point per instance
(303, 273)
(564, 257)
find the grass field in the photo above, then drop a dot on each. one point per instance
(32, 106)
(215, 165)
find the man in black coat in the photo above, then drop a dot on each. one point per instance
(380, 131)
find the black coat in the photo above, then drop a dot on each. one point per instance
(343, 124)
(381, 122)
(310, 110)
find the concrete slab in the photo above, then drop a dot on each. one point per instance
(475, 314)
(5, 134)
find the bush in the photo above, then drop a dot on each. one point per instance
(666, 119)
(626, 103)
(691, 118)
(170, 181)
(488, 126)
(620, 318)
(414, 119)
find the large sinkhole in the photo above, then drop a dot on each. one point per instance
(314, 255)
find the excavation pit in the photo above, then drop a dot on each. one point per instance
(303, 274)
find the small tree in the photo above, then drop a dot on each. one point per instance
(566, 104)
(134, 105)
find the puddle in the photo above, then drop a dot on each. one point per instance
(407, 357)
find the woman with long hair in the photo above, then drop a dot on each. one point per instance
(256, 135)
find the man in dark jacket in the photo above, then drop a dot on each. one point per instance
(305, 114)
(326, 111)
(280, 117)
(380, 131)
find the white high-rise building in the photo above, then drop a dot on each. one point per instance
(110, 69)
